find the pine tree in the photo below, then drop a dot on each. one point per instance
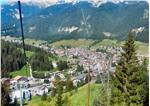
(5, 95)
(59, 100)
(96, 102)
(15, 102)
(44, 97)
(69, 84)
(79, 68)
(126, 83)
(66, 101)
(143, 87)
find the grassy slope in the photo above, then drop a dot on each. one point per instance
(84, 43)
(80, 98)
(142, 48)
(22, 72)
(77, 99)
(74, 43)
(31, 41)
(29, 53)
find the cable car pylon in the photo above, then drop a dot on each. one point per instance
(23, 44)
(22, 34)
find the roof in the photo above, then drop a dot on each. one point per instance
(81, 76)
(17, 77)
(20, 78)
(5, 80)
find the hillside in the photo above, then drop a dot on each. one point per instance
(142, 48)
(71, 21)
(73, 43)
(11, 58)
(77, 99)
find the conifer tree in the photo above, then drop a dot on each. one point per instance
(5, 95)
(66, 101)
(44, 97)
(69, 84)
(143, 87)
(126, 89)
(59, 100)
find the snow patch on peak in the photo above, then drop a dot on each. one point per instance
(138, 30)
(67, 29)
(72, 1)
(16, 14)
(32, 28)
(97, 3)
(40, 3)
(117, 1)
(46, 3)
(126, 2)
(146, 14)
(108, 34)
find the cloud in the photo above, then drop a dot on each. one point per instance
(36, 2)
(51, 2)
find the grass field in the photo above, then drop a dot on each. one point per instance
(34, 41)
(78, 98)
(105, 42)
(57, 58)
(142, 48)
(22, 72)
(84, 43)
(28, 53)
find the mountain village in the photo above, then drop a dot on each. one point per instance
(95, 62)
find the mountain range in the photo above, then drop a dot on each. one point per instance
(78, 19)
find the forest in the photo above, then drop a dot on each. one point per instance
(11, 58)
